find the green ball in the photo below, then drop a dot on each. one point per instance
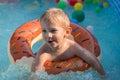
(88, 1)
(78, 15)
(62, 4)
(95, 2)
(98, 9)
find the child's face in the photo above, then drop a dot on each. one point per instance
(54, 35)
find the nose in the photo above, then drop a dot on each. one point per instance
(49, 35)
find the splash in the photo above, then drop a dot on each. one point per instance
(22, 70)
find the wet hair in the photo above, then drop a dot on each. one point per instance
(55, 16)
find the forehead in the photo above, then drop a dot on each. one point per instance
(54, 26)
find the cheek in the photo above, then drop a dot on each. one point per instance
(43, 35)
(61, 36)
(64, 34)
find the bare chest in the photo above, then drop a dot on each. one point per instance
(63, 56)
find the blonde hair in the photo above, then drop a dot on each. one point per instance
(55, 16)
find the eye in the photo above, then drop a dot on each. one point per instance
(53, 31)
(44, 31)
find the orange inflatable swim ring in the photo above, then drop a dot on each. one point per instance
(23, 38)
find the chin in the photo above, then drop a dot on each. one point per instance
(53, 46)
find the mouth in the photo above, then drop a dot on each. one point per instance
(50, 41)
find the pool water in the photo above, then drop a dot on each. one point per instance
(105, 24)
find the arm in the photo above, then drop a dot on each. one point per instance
(90, 58)
(38, 65)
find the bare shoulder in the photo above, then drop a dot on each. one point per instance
(75, 47)
(71, 44)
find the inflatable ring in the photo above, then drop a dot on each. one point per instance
(20, 45)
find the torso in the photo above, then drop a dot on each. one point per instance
(62, 55)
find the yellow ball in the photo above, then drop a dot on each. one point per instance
(105, 4)
(78, 6)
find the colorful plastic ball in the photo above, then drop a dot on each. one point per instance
(57, 1)
(78, 15)
(100, 5)
(105, 4)
(74, 21)
(78, 6)
(62, 4)
(80, 1)
(98, 9)
(72, 2)
(66, 1)
(94, 2)
(101, 0)
(88, 1)
(89, 28)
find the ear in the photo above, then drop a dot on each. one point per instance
(68, 31)
(69, 35)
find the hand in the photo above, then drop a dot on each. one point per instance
(39, 68)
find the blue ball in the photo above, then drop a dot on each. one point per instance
(100, 5)
(74, 21)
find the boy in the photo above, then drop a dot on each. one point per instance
(56, 28)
